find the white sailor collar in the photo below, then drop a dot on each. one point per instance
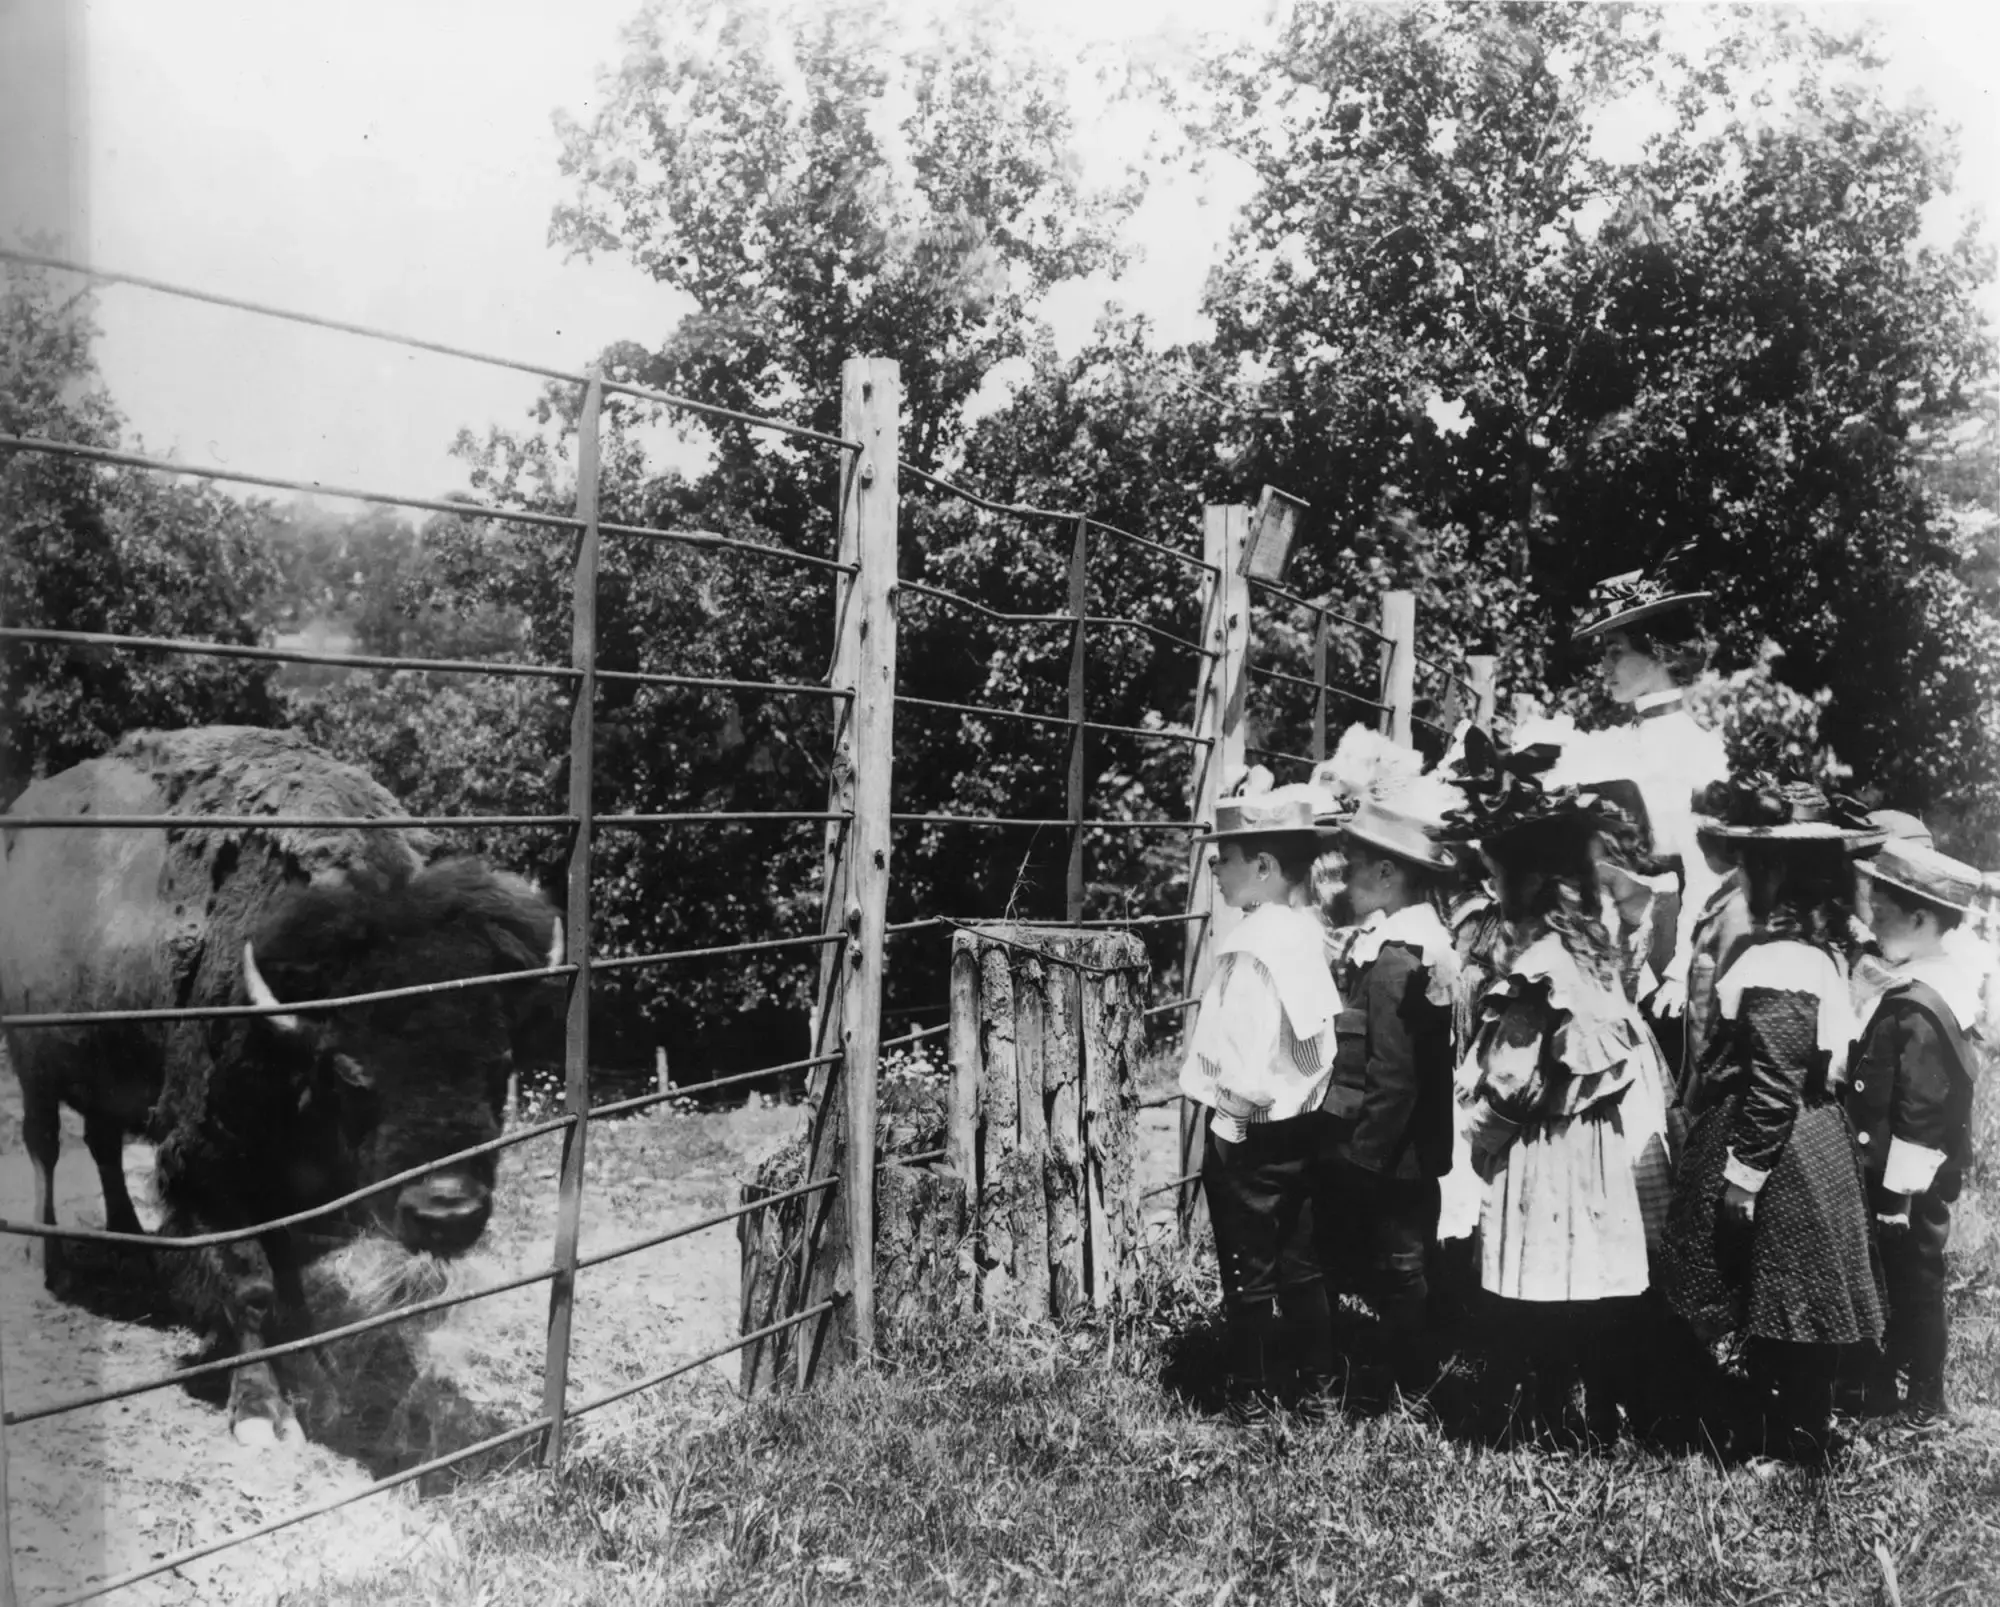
(1289, 943)
(1952, 981)
(1419, 927)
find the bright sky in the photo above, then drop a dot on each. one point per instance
(394, 164)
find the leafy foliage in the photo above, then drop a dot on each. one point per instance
(1728, 346)
(102, 548)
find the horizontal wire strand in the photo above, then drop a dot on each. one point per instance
(134, 460)
(564, 376)
(284, 655)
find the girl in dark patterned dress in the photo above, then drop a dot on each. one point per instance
(1768, 1235)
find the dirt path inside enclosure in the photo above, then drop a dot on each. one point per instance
(113, 1487)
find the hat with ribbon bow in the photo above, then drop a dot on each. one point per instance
(1621, 601)
(1507, 793)
(1761, 807)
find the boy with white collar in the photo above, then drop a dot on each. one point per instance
(1258, 1059)
(1909, 1096)
(1386, 1123)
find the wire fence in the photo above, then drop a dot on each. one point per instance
(858, 823)
(582, 675)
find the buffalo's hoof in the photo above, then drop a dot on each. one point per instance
(260, 1433)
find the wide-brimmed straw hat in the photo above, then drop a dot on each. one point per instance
(1925, 874)
(1763, 808)
(1270, 812)
(1621, 601)
(1899, 825)
(1401, 827)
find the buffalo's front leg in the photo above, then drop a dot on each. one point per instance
(229, 1289)
(302, 1375)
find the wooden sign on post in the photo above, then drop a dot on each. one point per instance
(1273, 525)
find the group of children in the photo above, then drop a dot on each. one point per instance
(1665, 1040)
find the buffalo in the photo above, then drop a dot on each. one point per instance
(258, 1117)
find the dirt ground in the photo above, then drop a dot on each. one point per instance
(112, 1487)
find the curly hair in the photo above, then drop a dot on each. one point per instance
(1803, 890)
(1566, 899)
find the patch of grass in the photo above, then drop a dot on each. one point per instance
(1019, 1464)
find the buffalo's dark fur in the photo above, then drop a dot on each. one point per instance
(254, 1120)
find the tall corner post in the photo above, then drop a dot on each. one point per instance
(1399, 665)
(1221, 690)
(841, 1264)
(1079, 609)
(576, 1036)
(1481, 671)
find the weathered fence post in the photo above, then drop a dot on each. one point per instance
(1319, 685)
(841, 1265)
(1047, 1032)
(1399, 664)
(1079, 608)
(576, 927)
(1485, 692)
(7, 1596)
(1218, 720)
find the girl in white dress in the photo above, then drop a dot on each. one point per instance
(1559, 1071)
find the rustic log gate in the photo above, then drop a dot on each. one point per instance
(833, 1287)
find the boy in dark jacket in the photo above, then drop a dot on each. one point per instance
(1909, 1096)
(1385, 1136)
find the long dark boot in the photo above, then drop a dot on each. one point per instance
(1804, 1415)
(1928, 1343)
(1307, 1317)
(1256, 1346)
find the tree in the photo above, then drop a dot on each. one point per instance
(1569, 365)
(820, 183)
(93, 547)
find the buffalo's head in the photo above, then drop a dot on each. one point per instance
(402, 1082)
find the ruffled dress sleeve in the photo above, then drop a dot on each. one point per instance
(1550, 1044)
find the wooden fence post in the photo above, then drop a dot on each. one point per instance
(7, 1596)
(1218, 719)
(1319, 685)
(1399, 664)
(1485, 691)
(1079, 607)
(576, 928)
(842, 1141)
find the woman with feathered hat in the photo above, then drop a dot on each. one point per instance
(1769, 1233)
(1646, 633)
(1549, 1085)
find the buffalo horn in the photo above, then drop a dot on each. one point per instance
(556, 947)
(261, 994)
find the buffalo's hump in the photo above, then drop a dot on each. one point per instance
(124, 918)
(135, 918)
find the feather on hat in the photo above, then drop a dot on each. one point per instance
(1365, 764)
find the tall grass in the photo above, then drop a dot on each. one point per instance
(1015, 1464)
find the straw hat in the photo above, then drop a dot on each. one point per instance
(1925, 874)
(1408, 821)
(1899, 825)
(1761, 808)
(1625, 600)
(1267, 812)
